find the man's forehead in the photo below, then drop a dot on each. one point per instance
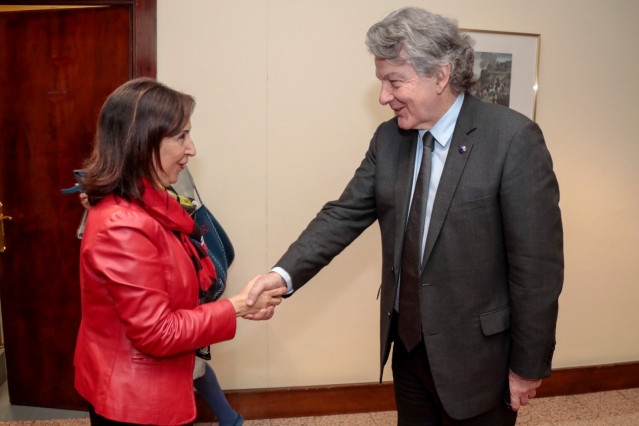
(385, 70)
(392, 75)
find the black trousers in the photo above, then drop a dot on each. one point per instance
(98, 420)
(416, 395)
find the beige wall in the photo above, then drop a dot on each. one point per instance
(287, 103)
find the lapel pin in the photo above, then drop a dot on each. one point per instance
(462, 149)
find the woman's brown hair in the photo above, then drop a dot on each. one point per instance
(131, 125)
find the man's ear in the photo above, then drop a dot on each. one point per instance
(442, 78)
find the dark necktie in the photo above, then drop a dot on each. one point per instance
(409, 323)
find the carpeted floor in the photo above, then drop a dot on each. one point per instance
(613, 408)
(60, 422)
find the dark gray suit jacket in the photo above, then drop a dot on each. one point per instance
(493, 263)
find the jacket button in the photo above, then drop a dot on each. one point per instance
(388, 314)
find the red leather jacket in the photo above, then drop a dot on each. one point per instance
(141, 321)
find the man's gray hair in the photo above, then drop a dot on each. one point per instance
(427, 41)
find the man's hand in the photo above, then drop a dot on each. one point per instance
(258, 285)
(263, 305)
(521, 390)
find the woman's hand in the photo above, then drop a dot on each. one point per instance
(264, 304)
(84, 200)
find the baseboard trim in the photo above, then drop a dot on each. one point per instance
(370, 397)
(3, 365)
(596, 378)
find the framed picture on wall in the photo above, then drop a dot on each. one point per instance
(506, 68)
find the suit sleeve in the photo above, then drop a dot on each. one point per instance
(532, 224)
(337, 224)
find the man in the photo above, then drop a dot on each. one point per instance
(489, 233)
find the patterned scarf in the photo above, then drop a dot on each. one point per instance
(198, 242)
(164, 208)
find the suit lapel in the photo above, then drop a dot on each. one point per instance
(403, 187)
(461, 146)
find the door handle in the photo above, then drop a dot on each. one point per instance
(2, 219)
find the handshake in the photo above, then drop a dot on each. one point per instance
(259, 297)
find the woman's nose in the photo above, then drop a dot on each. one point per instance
(190, 148)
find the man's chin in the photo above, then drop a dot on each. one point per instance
(404, 124)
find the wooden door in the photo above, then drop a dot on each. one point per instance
(58, 66)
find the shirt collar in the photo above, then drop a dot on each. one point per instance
(443, 129)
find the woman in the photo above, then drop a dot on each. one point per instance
(142, 265)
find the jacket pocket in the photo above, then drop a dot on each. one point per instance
(461, 205)
(138, 357)
(496, 321)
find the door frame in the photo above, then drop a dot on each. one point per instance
(143, 20)
(142, 62)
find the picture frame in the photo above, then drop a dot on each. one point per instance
(507, 67)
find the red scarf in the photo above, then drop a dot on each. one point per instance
(171, 215)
